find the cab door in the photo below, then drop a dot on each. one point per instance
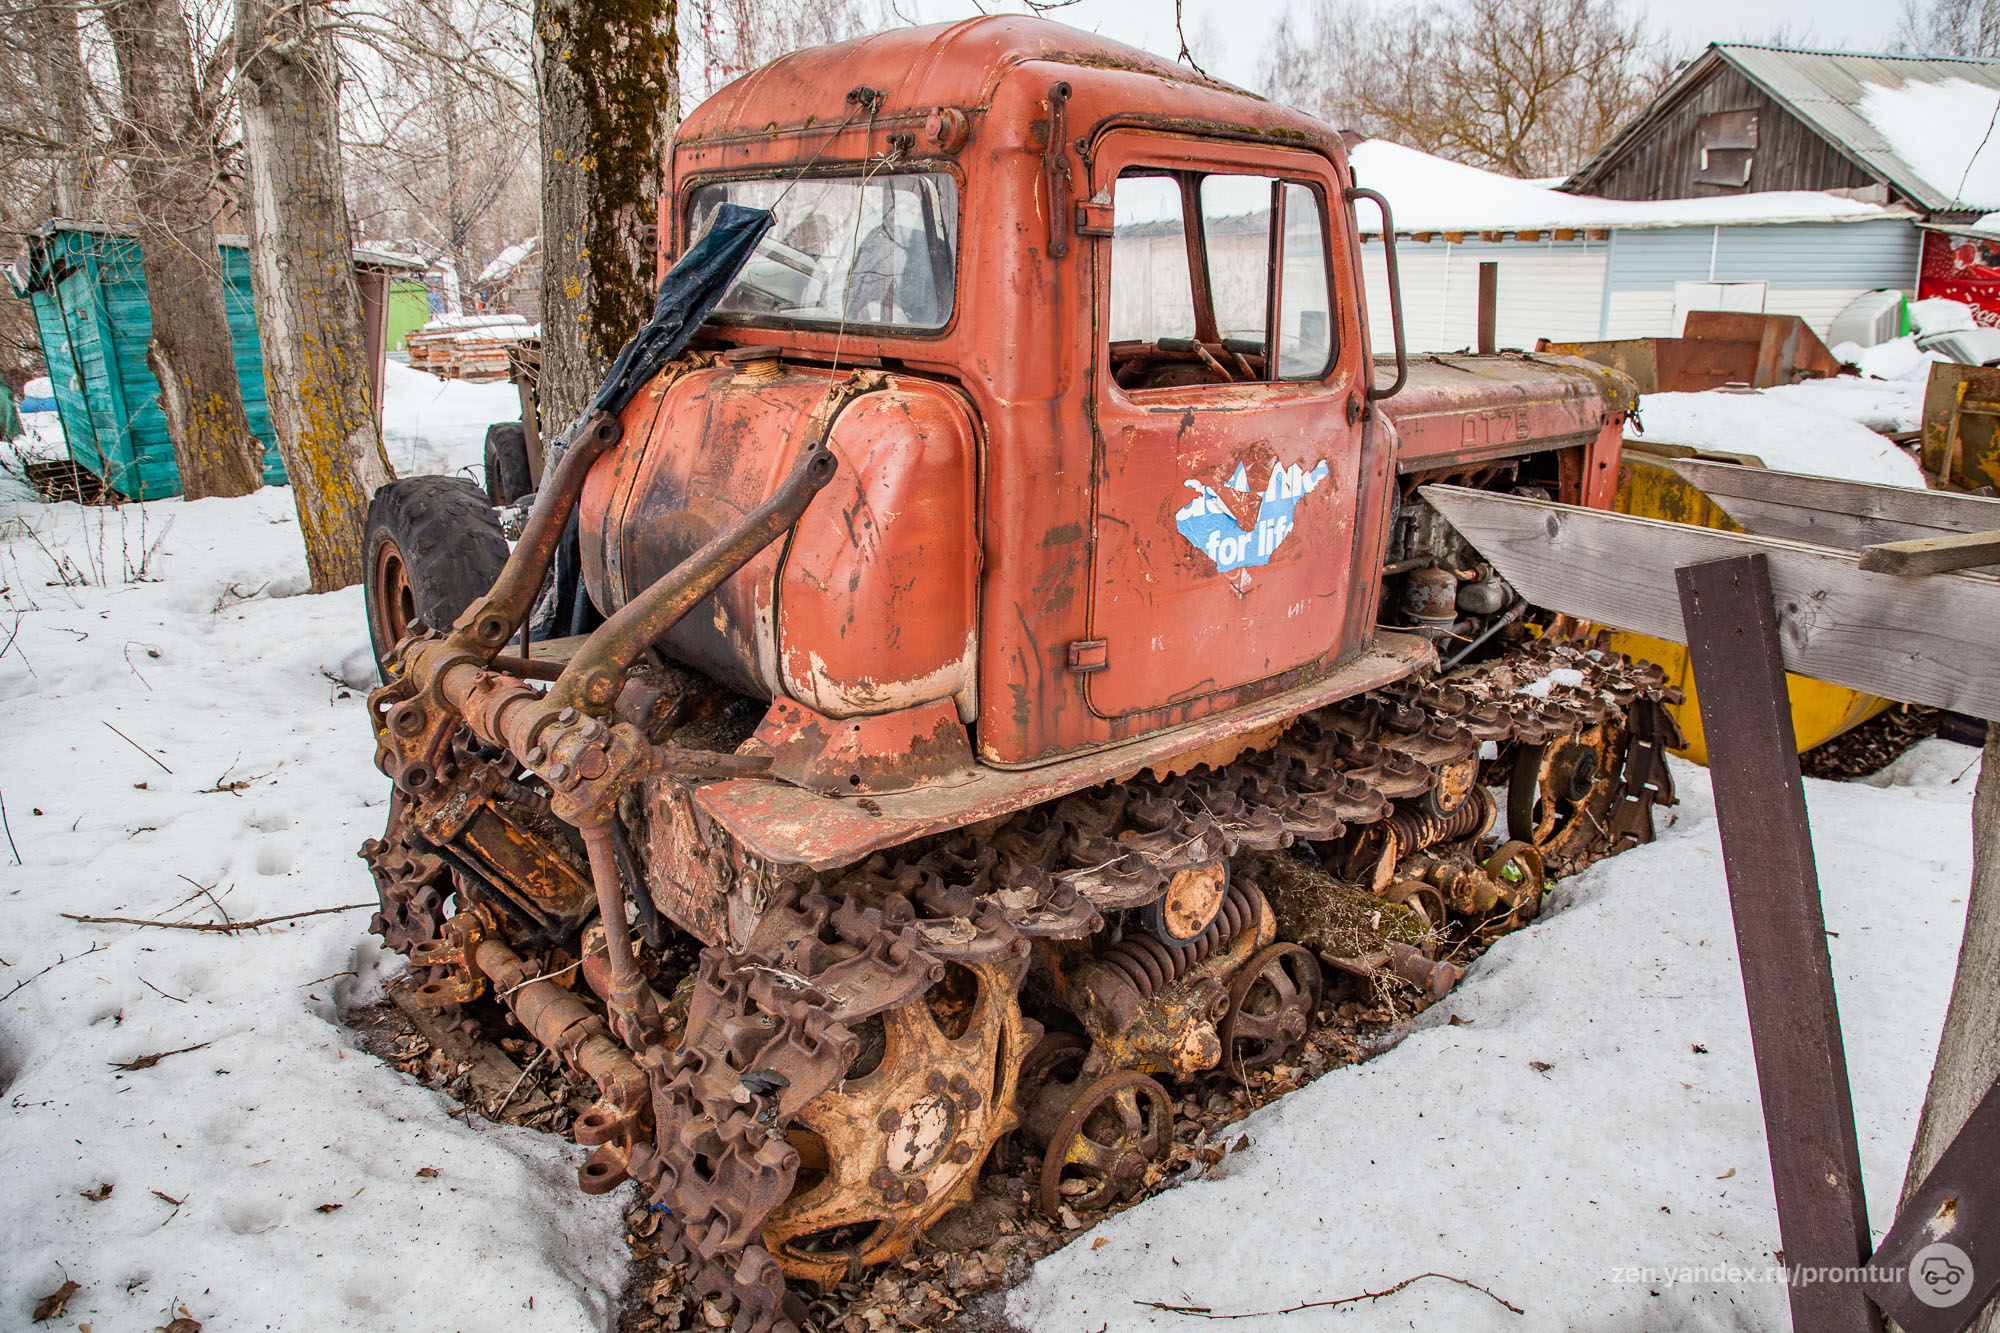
(1228, 392)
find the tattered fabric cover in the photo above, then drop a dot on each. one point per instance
(687, 294)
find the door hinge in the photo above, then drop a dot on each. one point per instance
(1093, 217)
(1086, 655)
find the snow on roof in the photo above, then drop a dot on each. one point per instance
(504, 263)
(1429, 194)
(1912, 122)
(1944, 131)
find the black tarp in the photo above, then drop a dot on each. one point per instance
(687, 294)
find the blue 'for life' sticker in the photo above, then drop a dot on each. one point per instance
(1207, 523)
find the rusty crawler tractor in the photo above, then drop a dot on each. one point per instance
(1026, 662)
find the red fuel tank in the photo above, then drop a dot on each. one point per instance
(871, 606)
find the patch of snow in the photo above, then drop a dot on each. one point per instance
(1430, 194)
(1897, 359)
(1539, 689)
(1943, 130)
(39, 387)
(1788, 431)
(438, 425)
(485, 321)
(216, 671)
(508, 260)
(1884, 406)
(1598, 1115)
(1940, 314)
(1932, 765)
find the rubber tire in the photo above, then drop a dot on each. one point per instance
(507, 477)
(450, 544)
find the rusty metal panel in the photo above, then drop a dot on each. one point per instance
(1961, 445)
(1225, 515)
(1460, 409)
(788, 824)
(879, 599)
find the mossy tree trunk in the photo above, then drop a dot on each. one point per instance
(171, 161)
(609, 94)
(302, 268)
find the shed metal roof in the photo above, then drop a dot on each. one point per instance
(1825, 89)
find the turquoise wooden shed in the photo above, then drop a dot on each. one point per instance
(87, 288)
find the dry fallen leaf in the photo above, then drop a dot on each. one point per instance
(427, 1172)
(1099, 1243)
(181, 1325)
(51, 1305)
(98, 1195)
(329, 1208)
(1727, 1174)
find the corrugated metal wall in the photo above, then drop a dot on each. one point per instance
(1624, 287)
(1548, 289)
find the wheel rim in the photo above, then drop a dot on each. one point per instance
(1271, 1006)
(1560, 797)
(392, 602)
(1121, 1125)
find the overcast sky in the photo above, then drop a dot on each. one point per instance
(1229, 35)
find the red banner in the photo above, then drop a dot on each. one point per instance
(1962, 268)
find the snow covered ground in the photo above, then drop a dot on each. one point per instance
(1822, 427)
(1451, 1152)
(1597, 1113)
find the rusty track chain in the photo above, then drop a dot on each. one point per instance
(774, 1025)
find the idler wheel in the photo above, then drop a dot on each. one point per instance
(1562, 793)
(1518, 867)
(1117, 1127)
(1454, 784)
(1190, 905)
(1272, 1001)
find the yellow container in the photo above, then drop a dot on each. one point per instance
(1820, 711)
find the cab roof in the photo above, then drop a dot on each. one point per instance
(916, 70)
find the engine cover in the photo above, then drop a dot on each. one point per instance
(871, 606)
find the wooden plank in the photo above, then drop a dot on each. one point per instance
(1760, 807)
(1932, 643)
(1932, 555)
(1958, 1205)
(1844, 514)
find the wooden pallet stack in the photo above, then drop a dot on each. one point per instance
(473, 351)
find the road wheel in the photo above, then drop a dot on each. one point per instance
(507, 476)
(431, 547)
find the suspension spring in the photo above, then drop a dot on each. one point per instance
(1150, 965)
(1414, 828)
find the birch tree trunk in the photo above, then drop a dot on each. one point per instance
(302, 268)
(172, 169)
(609, 95)
(1968, 1059)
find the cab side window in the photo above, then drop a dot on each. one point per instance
(1217, 278)
(1152, 295)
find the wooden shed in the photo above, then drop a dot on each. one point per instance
(87, 288)
(1742, 119)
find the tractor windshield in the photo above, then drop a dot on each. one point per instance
(877, 250)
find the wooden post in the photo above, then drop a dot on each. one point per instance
(1489, 307)
(1732, 636)
(1948, 1232)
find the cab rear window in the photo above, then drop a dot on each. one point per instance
(878, 250)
